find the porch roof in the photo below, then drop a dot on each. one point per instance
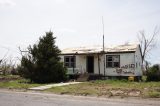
(98, 49)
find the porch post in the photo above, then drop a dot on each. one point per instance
(74, 57)
(98, 64)
(104, 65)
(74, 62)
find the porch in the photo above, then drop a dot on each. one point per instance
(81, 64)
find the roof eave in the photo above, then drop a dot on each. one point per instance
(98, 53)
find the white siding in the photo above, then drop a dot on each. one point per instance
(125, 69)
(96, 70)
(138, 61)
(80, 64)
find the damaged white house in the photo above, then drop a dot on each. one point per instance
(121, 60)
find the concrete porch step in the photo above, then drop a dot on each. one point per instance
(83, 77)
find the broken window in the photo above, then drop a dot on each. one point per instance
(112, 61)
(69, 61)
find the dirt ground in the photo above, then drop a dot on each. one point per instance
(6, 78)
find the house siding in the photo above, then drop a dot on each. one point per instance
(127, 66)
(130, 64)
(138, 61)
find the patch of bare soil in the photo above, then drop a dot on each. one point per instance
(117, 92)
(6, 79)
(126, 92)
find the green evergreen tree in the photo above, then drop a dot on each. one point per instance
(42, 63)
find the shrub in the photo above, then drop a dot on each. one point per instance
(153, 74)
(42, 63)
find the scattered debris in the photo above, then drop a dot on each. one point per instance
(125, 92)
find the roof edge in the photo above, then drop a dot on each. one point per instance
(97, 53)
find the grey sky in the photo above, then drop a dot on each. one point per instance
(76, 22)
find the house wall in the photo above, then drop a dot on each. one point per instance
(80, 64)
(127, 64)
(138, 63)
(101, 63)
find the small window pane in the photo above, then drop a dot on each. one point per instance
(67, 64)
(115, 58)
(116, 64)
(72, 65)
(109, 64)
(67, 59)
(72, 59)
(109, 58)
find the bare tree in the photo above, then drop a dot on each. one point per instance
(147, 44)
(6, 65)
(3, 66)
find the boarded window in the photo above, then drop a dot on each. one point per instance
(112, 61)
(69, 61)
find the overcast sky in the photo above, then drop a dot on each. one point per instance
(76, 22)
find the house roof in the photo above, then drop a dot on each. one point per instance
(98, 49)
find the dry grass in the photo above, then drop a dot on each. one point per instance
(110, 88)
(15, 82)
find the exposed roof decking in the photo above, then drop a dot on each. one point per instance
(98, 49)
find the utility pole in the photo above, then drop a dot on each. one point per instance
(103, 32)
(103, 52)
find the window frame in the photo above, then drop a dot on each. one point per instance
(112, 62)
(71, 63)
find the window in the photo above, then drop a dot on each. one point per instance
(69, 61)
(112, 61)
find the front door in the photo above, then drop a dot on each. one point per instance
(90, 64)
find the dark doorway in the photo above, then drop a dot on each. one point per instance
(90, 64)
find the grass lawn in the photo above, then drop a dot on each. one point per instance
(15, 82)
(105, 88)
(110, 88)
